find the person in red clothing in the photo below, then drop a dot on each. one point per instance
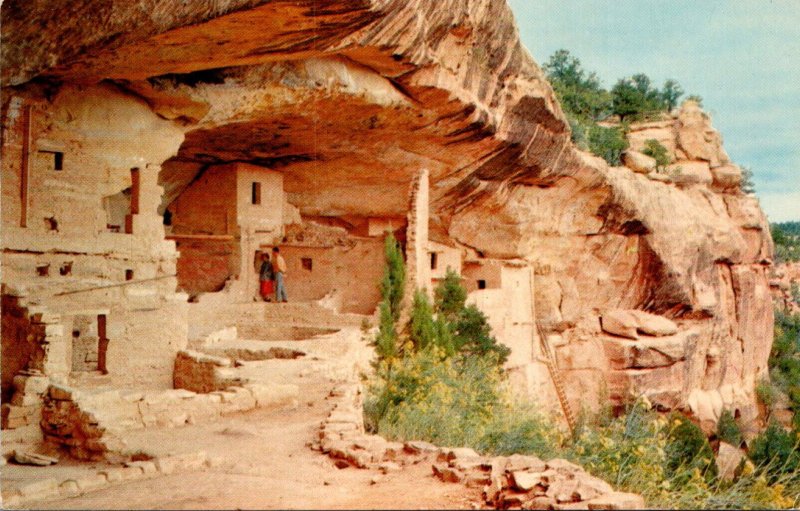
(266, 277)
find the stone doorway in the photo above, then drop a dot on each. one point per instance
(89, 343)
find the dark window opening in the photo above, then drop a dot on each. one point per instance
(481, 284)
(434, 260)
(58, 159)
(256, 193)
(66, 269)
(307, 263)
(43, 270)
(128, 274)
(167, 217)
(51, 224)
(102, 344)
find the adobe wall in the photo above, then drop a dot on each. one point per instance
(446, 258)
(66, 260)
(208, 205)
(508, 304)
(349, 275)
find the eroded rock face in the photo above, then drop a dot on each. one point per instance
(349, 100)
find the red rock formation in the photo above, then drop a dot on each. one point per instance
(349, 99)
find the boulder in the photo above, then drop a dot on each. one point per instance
(638, 162)
(690, 173)
(419, 447)
(651, 324)
(629, 323)
(728, 460)
(458, 453)
(591, 487)
(727, 177)
(697, 139)
(621, 323)
(525, 480)
(523, 462)
(447, 474)
(30, 458)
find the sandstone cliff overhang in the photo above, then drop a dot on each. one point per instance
(348, 100)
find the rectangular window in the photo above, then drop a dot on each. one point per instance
(481, 284)
(256, 193)
(102, 343)
(128, 274)
(307, 263)
(66, 269)
(434, 260)
(58, 159)
(43, 270)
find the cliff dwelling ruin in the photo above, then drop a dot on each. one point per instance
(149, 159)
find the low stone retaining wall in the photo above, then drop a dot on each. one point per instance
(90, 425)
(203, 373)
(25, 494)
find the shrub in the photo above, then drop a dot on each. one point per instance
(784, 363)
(728, 430)
(607, 143)
(747, 185)
(766, 394)
(578, 131)
(697, 99)
(775, 452)
(786, 237)
(520, 429)
(688, 450)
(657, 151)
(435, 398)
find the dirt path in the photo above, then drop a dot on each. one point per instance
(261, 460)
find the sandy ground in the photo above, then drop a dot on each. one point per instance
(262, 460)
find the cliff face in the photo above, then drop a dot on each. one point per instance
(349, 99)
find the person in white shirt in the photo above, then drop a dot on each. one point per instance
(279, 268)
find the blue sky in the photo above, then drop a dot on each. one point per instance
(741, 56)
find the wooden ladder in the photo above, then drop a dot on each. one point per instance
(558, 382)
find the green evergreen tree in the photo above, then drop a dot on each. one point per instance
(671, 93)
(386, 340)
(392, 289)
(394, 276)
(636, 97)
(472, 336)
(450, 296)
(579, 92)
(423, 328)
